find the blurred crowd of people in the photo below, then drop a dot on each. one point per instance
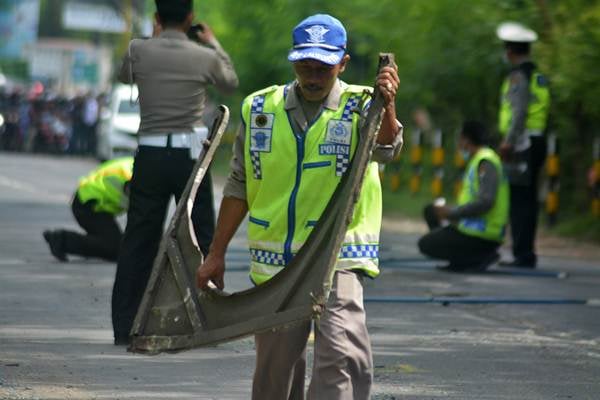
(41, 122)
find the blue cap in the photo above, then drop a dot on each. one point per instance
(320, 37)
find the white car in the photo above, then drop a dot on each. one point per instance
(119, 123)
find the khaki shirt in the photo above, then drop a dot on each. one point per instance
(172, 73)
(301, 113)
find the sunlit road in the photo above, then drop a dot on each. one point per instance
(520, 335)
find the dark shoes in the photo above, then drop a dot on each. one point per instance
(122, 341)
(55, 242)
(517, 264)
(478, 266)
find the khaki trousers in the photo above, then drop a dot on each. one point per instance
(343, 362)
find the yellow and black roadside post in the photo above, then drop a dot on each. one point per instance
(596, 179)
(395, 167)
(552, 172)
(437, 161)
(416, 161)
(459, 164)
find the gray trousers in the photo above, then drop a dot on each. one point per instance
(343, 362)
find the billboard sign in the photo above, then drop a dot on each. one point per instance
(92, 17)
(18, 26)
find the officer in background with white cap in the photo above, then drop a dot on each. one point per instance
(524, 106)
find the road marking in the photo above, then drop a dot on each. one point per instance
(12, 261)
(17, 185)
(23, 187)
(431, 265)
(397, 368)
(593, 302)
(481, 300)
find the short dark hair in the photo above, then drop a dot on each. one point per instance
(173, 12)
(475, 132)
(517, 47)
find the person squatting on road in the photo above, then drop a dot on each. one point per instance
(294, 145)
(101, 196)
(522, 123)
(478, 222)
(172, 74)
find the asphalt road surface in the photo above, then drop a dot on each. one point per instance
(499, 335)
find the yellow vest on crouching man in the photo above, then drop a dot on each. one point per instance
(290, 179)
(106, 186)
(492, 224)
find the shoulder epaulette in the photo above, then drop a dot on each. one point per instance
(264, 91)
(358, 88)
(540, 79)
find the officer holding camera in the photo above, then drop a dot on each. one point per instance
(172, 74)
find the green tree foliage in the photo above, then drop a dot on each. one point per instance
(449, 59)
(570, 52)
(444, 49)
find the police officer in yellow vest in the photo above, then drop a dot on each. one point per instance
(101, 196)
(296, 143)
(478, 221)
(524, 106)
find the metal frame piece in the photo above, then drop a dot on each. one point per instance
(174, 315)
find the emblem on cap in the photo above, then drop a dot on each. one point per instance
(316, 34)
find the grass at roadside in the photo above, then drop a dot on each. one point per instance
(405, 204)
(579, 225)
(401, 203)
(220, 163)
(584, 227)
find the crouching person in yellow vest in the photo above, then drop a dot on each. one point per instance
(100, 197)
(296, 142)
(477, 223)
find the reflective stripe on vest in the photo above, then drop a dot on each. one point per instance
(537, 110)
(290, 179)
(491, 225)
(105, 185)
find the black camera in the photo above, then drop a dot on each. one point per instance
(192, 33)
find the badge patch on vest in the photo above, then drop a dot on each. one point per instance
(339, 132)
(262, 121)
(261, 128)
(337, 142)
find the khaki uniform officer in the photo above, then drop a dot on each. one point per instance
(296, 143)
(172, 74)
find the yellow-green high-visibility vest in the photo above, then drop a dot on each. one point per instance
(491, 225)
(537, 110)
(106, 184)
(290, 179)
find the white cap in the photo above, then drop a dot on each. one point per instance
(515, 32)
